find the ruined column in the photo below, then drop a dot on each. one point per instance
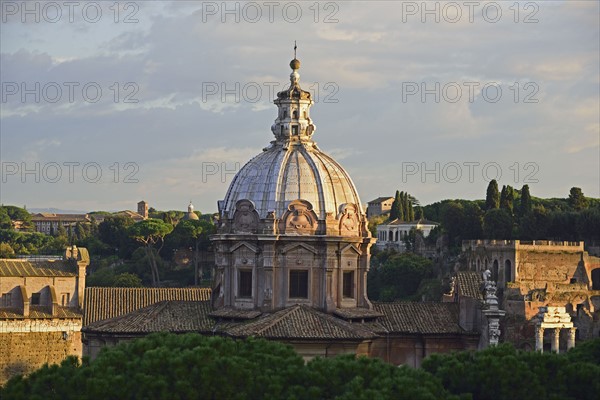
(555, 340)
(571, 340)
(539, 339)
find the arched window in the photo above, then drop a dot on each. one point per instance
(478, 265)
(507, 271)
(396, 236)
(295, 114)
(391, 237)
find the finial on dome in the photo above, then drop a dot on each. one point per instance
(190, 207)
(295, 63)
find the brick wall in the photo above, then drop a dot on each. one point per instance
(23, 352)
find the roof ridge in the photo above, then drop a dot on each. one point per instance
(284, 312)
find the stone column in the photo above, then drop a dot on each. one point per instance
(539, 339)
(571, 340)
(555, 340)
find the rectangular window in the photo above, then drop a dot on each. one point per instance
(35, 299)
(65, 299)
(348, 284)
(6, 300)
(299, 284)
(245, 283)
(294, 130)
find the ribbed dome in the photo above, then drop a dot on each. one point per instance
(279, 175)
(292, 167)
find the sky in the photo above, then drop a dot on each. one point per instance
(108, 103)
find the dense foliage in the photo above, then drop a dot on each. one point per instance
(123, 253)
(515, 214)
(191, 366)
(502, 372)
(397, 276)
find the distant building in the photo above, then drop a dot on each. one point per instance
(40, 311)
(48, 223)
(391, 235)
(379, 206)
(142, 209)
(190, 215)
(538, 278)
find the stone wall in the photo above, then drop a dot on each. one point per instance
(24, 352)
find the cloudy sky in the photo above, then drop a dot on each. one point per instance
(104, 105)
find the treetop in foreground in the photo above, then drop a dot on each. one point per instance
(191, 366)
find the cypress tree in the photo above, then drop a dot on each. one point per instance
(492, 198)
(525, 200)
(401, 214)
(395, 206)
(506, 198)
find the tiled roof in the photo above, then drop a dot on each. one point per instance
(232, 313)
(16, 267)
(39, 312)
(415, 222)
(356, 312)
(105, 303)
(380, 200)
(301, 323)
(469, 284)
(59, 217)
(164, 316)
(423, 318)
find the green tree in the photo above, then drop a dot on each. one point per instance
(503, 373)
(5, 222)
(374, 221)
(577, 200)
(191, 366)
(127, 280)
(535, 224)
(396, 211)
(399, 277)
(452, 215)
(114, 232)
(6, 251)
(492, 198)
(151, 233)
(497, 224)
(525, 206)
(507, 198)
(191, 234)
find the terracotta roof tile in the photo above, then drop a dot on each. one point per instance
(422, 318)
(356, 313)
(229, 312)
(301, 323)
(105, 303)
(17, 267)
(164, 316)
(469, 284)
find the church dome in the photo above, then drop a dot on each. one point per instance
(279, 175)
(292, 167)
